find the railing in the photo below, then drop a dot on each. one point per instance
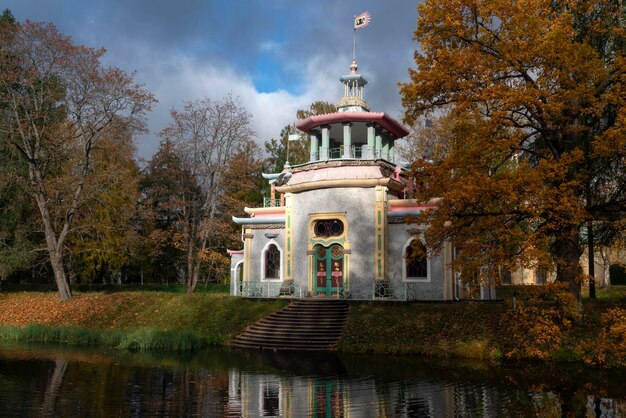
(269, 289)
(335, 153)
(354, 152)
(259, 289)
(380, 290)
(287, 289)
(268, 202)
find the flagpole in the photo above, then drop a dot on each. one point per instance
(354, 41)
(287, 160)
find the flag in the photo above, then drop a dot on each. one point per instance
(293, 137)
(362, 20)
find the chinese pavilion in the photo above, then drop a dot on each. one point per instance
(340, 226)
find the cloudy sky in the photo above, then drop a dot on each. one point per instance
(276, 55)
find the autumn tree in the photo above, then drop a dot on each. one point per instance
(58, 101)
(102, 245)
(536, 90)
(206, 134)
(18, 237)
(167, 189)
(276, 149)
(16, 241)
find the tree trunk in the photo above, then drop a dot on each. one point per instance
(194, 277)
(55, 249)
(591, 261)
(53, 388)
(56, 260)
(568, 252)
(189, 271)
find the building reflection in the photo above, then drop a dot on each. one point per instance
(267, 395)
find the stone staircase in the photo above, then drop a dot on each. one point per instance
(312, 324)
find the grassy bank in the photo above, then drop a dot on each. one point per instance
(540, 326)
(135, 320)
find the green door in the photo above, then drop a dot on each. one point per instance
(328, 269)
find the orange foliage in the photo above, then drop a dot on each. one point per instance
(541, 318)
(527, 100)
(610, 346)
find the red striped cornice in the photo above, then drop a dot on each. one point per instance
(381, 119)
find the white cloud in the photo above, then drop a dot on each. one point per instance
(181, 78)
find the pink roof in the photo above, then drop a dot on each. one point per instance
(416, 207)
(381, 119)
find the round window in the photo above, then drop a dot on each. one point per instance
(328, 228)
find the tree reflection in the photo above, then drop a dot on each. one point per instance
(254, 384)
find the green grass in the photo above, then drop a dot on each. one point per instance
(142, 339)
(129, 320)
(615, 292)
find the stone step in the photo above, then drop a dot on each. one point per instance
(281, 339)
(306, 347)
(290, 335)
(306, 324)
(298, 326)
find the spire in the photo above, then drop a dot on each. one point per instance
(353, 86)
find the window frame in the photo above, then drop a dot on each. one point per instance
(406, 278)
(280, 266)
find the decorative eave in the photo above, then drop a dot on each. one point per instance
(382, 119)
(270, 176)
(265, 212)
(259, 221)
(329, 184)
(397, 205)
(402, 208)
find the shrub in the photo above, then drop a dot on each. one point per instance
(609, 348)
(541, 317)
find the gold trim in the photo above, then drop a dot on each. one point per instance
(246, 254)
(288, 236)
(380, 222)
(328, 215)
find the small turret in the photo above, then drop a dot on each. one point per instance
(352, 100)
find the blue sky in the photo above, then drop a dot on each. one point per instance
(276, 55)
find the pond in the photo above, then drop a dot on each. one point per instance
(65, 382)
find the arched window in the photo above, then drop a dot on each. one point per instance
(271, 262)
(416, 266)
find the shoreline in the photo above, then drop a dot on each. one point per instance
(162, 321)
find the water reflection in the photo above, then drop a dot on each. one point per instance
(37, 381)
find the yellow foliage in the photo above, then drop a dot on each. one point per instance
(540, 319)
(610, 346)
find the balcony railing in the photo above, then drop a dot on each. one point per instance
(339, 152)
(268, 202)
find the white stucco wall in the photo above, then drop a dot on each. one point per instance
(358, 205)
